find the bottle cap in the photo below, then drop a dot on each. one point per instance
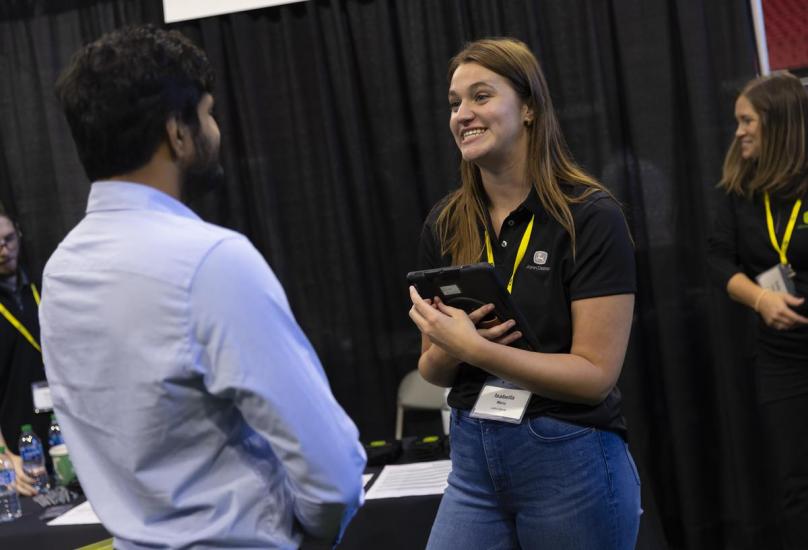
(2, 449)
(27, 428)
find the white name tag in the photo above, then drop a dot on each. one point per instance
(777, 279)
(501, 400)
(42, 397)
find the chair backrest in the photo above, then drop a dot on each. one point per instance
(416, 393)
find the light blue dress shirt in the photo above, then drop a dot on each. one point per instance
(194, 408)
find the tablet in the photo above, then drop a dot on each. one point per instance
(469, 287)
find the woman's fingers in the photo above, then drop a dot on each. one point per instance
(794, 318)
(25, 489)
(510, 338)
(424, 307)
(417, 318)
(780, 314)
(449, 310)
(480, 313)
(497, 331)
(424, 313)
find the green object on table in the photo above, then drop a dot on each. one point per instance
(62, 464)
(100, 545)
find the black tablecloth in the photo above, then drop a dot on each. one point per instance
(31, 533)
(392, 524)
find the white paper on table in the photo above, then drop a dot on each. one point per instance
(82, 514)
(423, 478)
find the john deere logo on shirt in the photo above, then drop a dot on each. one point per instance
(540, 257)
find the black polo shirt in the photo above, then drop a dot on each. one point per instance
(20, 366)
(548, 279)
(740, 243)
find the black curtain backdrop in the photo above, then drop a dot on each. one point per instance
(336, 143)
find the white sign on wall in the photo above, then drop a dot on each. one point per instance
(182, 10)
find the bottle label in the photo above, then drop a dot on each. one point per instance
(31, 453)
(7, 477)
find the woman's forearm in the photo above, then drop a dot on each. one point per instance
(438, 367)
(742, 289)
(560, 376)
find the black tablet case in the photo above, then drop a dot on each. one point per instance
(469, 287)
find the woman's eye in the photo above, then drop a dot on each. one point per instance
(454, 105)
(481, 97)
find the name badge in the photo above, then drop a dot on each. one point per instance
(502, 401)
(42, 397)
(777, 279)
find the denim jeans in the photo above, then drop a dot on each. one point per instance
(541, 484)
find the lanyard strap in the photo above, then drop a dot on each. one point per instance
(16, 323)
(519, 254)
(781, 248)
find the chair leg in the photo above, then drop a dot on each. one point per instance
(399, 421)
(446, 411)
(445, 415)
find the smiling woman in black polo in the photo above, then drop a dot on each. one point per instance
(538, 451)
(759, 256)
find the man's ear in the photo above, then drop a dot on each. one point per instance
(177, 136)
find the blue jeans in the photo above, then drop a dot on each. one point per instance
(541, 484)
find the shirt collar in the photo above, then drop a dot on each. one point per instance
(22, 281)
(530, 206)
(110, 195)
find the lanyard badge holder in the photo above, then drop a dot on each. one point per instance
(780, 278)
(498, 399)
(502, 401)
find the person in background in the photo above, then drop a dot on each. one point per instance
(20, 356)
(759, 249)
(553, 470)
(196, 411)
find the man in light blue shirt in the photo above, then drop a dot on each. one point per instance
(195, 410)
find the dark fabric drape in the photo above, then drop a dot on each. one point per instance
(335, 143)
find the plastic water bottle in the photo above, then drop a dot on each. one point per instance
(54, 433)
(33, 459)
(9, 499)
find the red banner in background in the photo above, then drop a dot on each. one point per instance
(786, 33)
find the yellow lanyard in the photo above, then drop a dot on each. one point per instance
(16, 323)
(519, 253)
(781, 248)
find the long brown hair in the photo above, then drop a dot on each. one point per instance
(781, 166)
(548, 158)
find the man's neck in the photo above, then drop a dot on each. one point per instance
(160, 173)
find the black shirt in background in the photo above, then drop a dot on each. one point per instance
(20, 366)
(603, 265)
(740, 243)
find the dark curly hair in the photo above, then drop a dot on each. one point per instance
(118, 92)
